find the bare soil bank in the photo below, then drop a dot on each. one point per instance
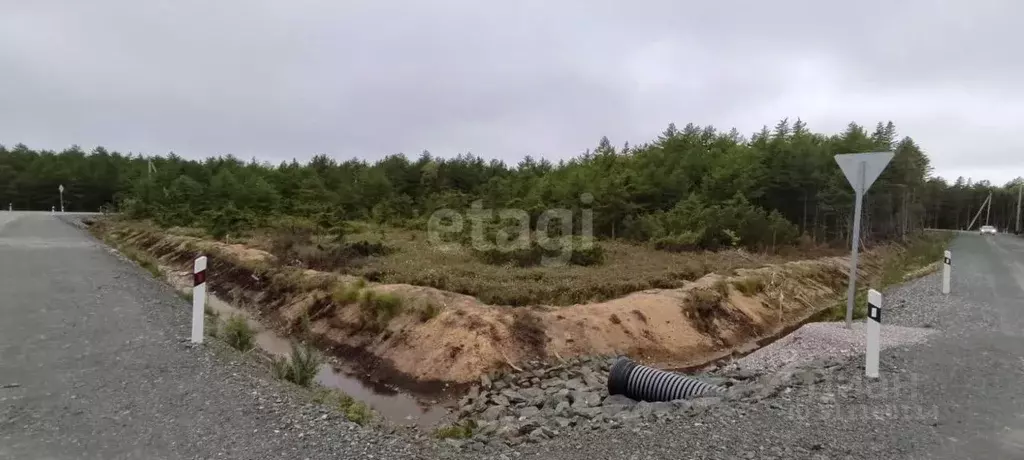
(707, 319)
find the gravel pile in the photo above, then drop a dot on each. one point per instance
(820, 340)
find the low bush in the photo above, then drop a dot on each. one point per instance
(300, 368)
(359, 413)
(578, 251)
(237, 333)
(379, 308)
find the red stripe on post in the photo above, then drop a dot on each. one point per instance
(199, 278)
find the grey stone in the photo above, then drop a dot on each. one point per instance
(643, 409)
(586, 412)
(614, 409)
(485, 382)
(538, 435)
(513, 396)
(499, 400)
(681, 404)
(529, 411)
(593, 381)
(506, 432)
(454, 443)
(528, 427)
(618, 400)
(662, 407)
(486, 428)
(699, 405)
(531, 393)
(493, 413)
(563, 422)
(474, 392)
(575, 384)
(562, 408)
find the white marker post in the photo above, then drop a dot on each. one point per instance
(873, 328)
(198, 298)
(51, 210)
(947, 264)
(61, 189)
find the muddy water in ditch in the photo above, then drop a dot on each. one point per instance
(392, 404)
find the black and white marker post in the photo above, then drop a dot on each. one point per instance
(198, 298)
(873, 328)
(947, 264)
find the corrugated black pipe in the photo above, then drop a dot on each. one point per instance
(643, 383)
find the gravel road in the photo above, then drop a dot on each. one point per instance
(92, 366)
(955, 396)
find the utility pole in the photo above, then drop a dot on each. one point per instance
(988, 211)
(1020, 193)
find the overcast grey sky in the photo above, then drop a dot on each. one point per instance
(282, 79)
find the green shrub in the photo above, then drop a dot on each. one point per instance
(347, 294)
(379, 308)
(237, 333)
(359, 413)
(300, 368)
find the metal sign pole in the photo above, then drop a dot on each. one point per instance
(851, 292)
(61, 189)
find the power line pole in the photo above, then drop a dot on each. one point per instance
(1020, 193)
(988, 210)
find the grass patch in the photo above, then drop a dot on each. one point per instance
(143, 260)
(750, 286)
(701, 307)
(454, 266)
(237, 333)
(346, 294)
(462, 430)
(333, 398)
(300, 367)
(429, 311)
(379, 308)
(721, 287)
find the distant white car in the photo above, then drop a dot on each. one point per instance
(988, 230)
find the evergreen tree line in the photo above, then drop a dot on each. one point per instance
(694, 187)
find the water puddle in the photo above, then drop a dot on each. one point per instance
(392, 404)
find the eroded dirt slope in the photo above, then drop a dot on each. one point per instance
(441, 336)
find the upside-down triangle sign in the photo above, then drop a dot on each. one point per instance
(874, 163)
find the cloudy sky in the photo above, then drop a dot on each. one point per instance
(282, 79)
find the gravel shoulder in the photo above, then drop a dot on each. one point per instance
(93, 365)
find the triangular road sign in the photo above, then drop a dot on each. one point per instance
(874, 163)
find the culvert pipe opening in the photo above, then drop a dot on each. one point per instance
(642, 383)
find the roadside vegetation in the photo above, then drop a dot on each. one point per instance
(300, 367)
(923, 251)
